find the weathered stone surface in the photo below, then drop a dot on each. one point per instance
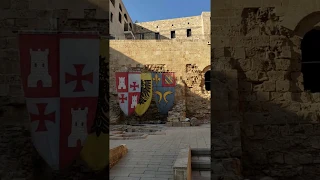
(182, 165)
(5, 4)
(185, 124)
(177, 124)
(269, 86)
(115, 154)
(279, 118)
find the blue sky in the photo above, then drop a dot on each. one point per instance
(151, 10)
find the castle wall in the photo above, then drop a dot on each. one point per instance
(187, 59)
(179, 25)
(16, 146)
(268, 123)
(206, 25)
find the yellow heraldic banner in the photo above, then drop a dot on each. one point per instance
(146, 94)
(96, 148)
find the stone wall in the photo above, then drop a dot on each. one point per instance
(206, 22)
(16, 147)
(187, 59)
(268, 124)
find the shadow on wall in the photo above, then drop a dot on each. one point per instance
(267, 120)
(195, 106)
(20, 159)
(147, 34)
(88, 23)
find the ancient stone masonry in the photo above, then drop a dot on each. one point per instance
(263, 121)
(195, 85)
(164, 56)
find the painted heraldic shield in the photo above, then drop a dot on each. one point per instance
(95, 152)
(128, 86)
(164, 90)
(145, 95)
(60, 78)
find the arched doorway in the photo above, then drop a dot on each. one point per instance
(306, 23)
(207, 82)
(310, 68)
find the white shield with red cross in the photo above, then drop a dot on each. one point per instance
(60, 78)
(128, 86)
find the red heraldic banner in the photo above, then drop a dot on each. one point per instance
(60, 78)
(128, 86)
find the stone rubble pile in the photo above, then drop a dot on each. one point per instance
(176, 117)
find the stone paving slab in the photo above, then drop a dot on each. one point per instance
(153, 158)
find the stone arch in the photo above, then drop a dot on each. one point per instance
(307, 28)
(207, 68)
(204, 71)
(301, 22)
(293, 12)
(307, 23)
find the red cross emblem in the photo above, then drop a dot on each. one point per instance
(122, 98)
(79, 77)
(41, 117)
(134, 85)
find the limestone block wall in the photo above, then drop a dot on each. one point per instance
(206, 25)
(268, 124)
(186, 58)
(15, 143)
(179, 25)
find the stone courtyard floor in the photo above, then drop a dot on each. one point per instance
(153, 158)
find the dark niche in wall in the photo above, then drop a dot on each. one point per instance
(207, 80)
(310, 65)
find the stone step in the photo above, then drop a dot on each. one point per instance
(201, 158)
(201, 178)
(201, 163)
(200, 152)
(201, 175)
(203, 166)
